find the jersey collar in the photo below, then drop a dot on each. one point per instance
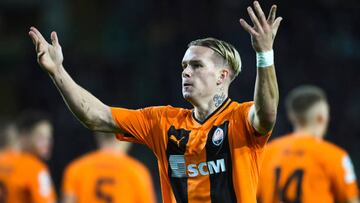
(220, 109)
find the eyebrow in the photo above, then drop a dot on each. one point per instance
(192, 61)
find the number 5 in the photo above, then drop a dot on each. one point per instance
(99, 193)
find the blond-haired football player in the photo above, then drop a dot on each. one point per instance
(210, 153)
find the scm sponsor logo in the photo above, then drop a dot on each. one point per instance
(206, 168)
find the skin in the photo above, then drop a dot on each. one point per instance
(203, 80)
(316, 120)
(316, 124)
(211, 93)
(39, 141)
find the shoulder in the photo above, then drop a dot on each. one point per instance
(241, 105)
(33, 162)
(131, 161)
(175, 111)
(169, 113)
(280, 142)
(337, 161)
(80, 161)
(132, 165)
(331, 149)
(5, 154)
(164, 110)
(240, 109)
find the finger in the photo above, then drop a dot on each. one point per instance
(33, 37)
(36, 42)
(260, 13)
(272, 15)
(276, 25)
(54, 39)
(40, 54)
(38, 34)
(248, 28)
(40, 49)
(254, 19)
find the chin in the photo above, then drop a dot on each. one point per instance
(44, 155)
(187, 96)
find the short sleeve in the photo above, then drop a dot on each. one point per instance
(343, 178)
(41, 186)
(138, 125)
(254, 138)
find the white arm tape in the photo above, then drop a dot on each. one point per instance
(264, 59)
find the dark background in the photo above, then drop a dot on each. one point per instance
(128, 54)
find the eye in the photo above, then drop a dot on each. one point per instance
(183, 65)
(197, 65)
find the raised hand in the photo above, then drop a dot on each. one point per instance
(264, 30)
(49, 56)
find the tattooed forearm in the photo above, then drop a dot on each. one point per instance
(87, 108)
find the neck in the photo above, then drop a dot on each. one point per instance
(203, 110)
(115, 146)
(311, 130)
(16, 148)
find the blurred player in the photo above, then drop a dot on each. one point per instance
(107, 175)
(23, 177)
(6, 132)
(210, 153)
(301, 167)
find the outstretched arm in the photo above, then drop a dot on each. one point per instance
(262, 115)
(88, 109)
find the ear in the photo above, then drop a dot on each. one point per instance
(320, 119)
(224, 74)
(292, 118)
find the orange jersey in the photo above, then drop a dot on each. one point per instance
(216, 160)
(301, 168)
(108, 176)
(24, 178)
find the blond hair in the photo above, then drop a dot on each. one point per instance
(225, 50)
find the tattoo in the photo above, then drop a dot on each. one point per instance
(218, 99)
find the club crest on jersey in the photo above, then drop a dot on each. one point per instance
(218, 137)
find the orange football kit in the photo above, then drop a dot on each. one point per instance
(108, 176)
(217, 160)
(304, 169)
(24, 178)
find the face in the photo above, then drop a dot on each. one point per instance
(41, 140)
(200, 74)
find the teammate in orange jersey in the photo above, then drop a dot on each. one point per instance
(210, 153)
(107, 175)
(301, 167)
(23, 177)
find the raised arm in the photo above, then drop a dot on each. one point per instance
(262, 115)
(88, 109)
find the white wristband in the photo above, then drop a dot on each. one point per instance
(264, 59)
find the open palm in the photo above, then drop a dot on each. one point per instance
(264, 30)
(49, 56)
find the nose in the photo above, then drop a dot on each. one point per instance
(186, 73)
